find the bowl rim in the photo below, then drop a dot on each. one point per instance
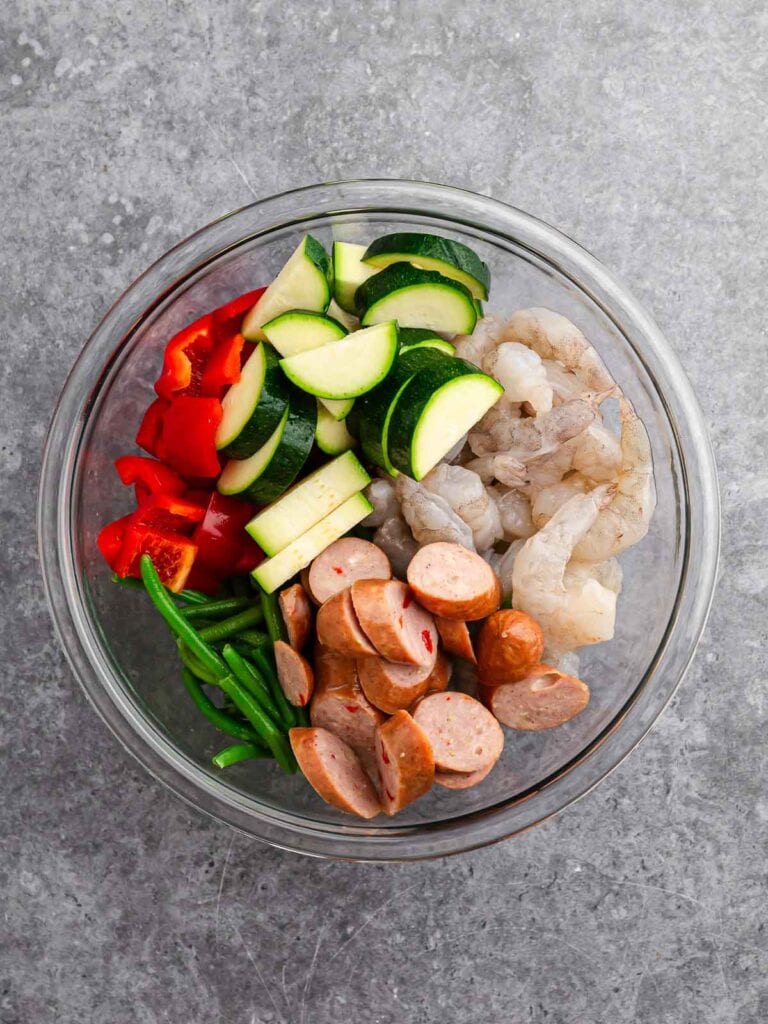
(296, 832)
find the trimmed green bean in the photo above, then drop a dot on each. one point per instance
(217, 609)
(176, 621)
(273, 620)
(254, 638)
(239, 752)
(223, 722)
(189, 596)
(194, 665)
(287, 712)
(252, 681)
(232, 626)
(247, 705)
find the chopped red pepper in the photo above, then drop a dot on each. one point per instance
(151, 427)
(201, 579)
(223, 368)
(149, 474)
(188, 441)
(172, 555)
(229, 317)
(250, 557)
(221, 535)
(168, 512)
(110, 539)
(185, 357)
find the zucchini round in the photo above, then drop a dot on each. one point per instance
(418, 337)
(331, 435)
(417, 298)
(432, 252)
(303, 283)
(346, 368)
(349, 272)
(300, 330)
(253, 408)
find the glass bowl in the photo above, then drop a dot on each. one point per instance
(120, 650)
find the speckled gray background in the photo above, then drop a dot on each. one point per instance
(639, 128)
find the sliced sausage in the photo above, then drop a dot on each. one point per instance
(339, 630)
(453, 582)
(456, 639)
(462, 780)
(465, 736)
(334, 771)
(397, 626)
(294, 674)
(296, 610)
(440, 675)
(340, 705)
(342, 563)
(405, 762)
(304, 577)
(389, 685)
(545, 699)
(510, 643)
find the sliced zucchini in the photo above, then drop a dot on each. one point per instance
(416, 298)
(303, 283)
(345, 319)
(430, 418)
(346, 368)
(339, 408)
(273, 468)
(432, 252)
(307, 503)
(331, 435)
(272, 573)
(418, 337)
(299, 330)
(253, 408)
(349, 272)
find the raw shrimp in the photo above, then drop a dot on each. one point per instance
(514, 512)
(546, 471)
(534, 436)
(550, 499)
(396, 541)
(503, 565)
(475, 346)
(552, 336)
(564, 383)
(597, 452)
(625, 520)
(608, 574)
(465, 493)
(499, 466)
(572, 612)
(381, 494)
(521, 373)
(429, 516)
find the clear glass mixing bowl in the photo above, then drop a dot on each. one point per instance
(120, 650)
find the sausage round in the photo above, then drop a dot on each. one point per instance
(294, 673)
(389, 685)
(453, 582)
(397, 626)
(405, 762)
(465, 737)
(342, 563)
(462, 780)
(338, 627)
(334, 771)
(340, 706)
(296, 610)
(304, 577)
(510, 643)
(456, 639)
(440, 675)
(544, 699)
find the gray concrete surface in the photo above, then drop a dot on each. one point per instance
(639, 128)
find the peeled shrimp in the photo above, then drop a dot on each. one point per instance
(534, 436)
(553, 336)
(475, 346)
(396, 541)
(546, 471)
(564, 383)
(608, 574)
(572, 612)
(514, 512)
(597, 453)
(522, 375)
(549, 499)
(503, 565)
(465, 493)
(499, 466)
(381, 494)
(429, 516)
(626, 518)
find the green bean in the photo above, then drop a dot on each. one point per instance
(247, 705)
(264, 666)
(176, 621)
(254, 638)
(273, 620)
(217, 609)
(194, 665)
(239, 752)
(246, 674)
(189, 596)
(224, 722)
(232, 626)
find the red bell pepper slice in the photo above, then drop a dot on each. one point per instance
(221, 535)
(202, 579)
(173, 555)
(151, 427)
(188, 440)
(149, 475)
(223, 368)
(228, 318)
(250, 557)
(185, 357)
(110, 540)
(168, 512)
